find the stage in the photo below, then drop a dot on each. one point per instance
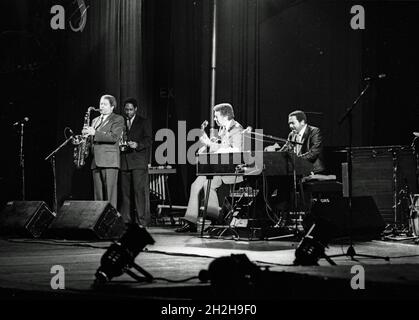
(25, 270)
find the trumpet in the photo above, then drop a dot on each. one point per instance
(123, 144)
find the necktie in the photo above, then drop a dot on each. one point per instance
(129, 124)
(99, 122)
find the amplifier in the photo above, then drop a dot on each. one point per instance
(381, 172)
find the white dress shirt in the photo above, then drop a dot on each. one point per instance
(129, 122)
(299, 138)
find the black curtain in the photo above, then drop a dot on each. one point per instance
(181, 49)
(105, 58)
(238, 60)
(273, 56)
(28, 73)
(277, 56)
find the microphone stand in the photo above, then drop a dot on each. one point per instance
(348, 115)
(51, 157)
(269, 137)
(292, 156)
(22, 160)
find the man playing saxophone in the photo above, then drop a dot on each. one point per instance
(104, 135)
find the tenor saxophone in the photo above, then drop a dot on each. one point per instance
(81, 149)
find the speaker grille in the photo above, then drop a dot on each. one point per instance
(88, 220)
(25, 218)
(363, 221)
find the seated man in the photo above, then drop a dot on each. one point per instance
(310, 141)
(229, 140)
(309, 145)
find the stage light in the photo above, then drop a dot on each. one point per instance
(312, 248)
(232, 276)
(120, 256)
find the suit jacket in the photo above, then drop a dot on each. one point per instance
(230, 138)
(105, 143)
(311, 148)
(139, 157)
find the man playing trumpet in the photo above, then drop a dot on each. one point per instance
(134, 166)
(229, 140)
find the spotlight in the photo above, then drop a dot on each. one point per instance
(120, 256)
(233, 276)
(312, 248)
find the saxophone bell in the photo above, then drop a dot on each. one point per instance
(77, 139)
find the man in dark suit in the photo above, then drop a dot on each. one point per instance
(306, 142)
(134, 166)
(105, 133)
(309, 139)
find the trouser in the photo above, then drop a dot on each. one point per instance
(135, 182)
(105, 183)
(200, 183)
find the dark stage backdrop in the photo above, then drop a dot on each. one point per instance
(53, 76)
(276, 56)
(273, 56)
(106, 58)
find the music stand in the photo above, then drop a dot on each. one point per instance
(348, 115)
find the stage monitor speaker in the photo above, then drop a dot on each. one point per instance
(25, 218)
(334, 216)
(87, 220)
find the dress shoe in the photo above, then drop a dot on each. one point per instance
(187, 227)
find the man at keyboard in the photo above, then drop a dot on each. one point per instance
(229, 139)
(306, 142)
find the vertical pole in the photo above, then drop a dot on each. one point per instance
(213, 65)
(55, 184)
(22, 161)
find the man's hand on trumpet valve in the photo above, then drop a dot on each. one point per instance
(132, 144)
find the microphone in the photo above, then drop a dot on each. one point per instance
(377, 77)
(25, 119)
(248, 129)
(204, 124)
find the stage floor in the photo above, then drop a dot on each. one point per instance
(25, 270)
